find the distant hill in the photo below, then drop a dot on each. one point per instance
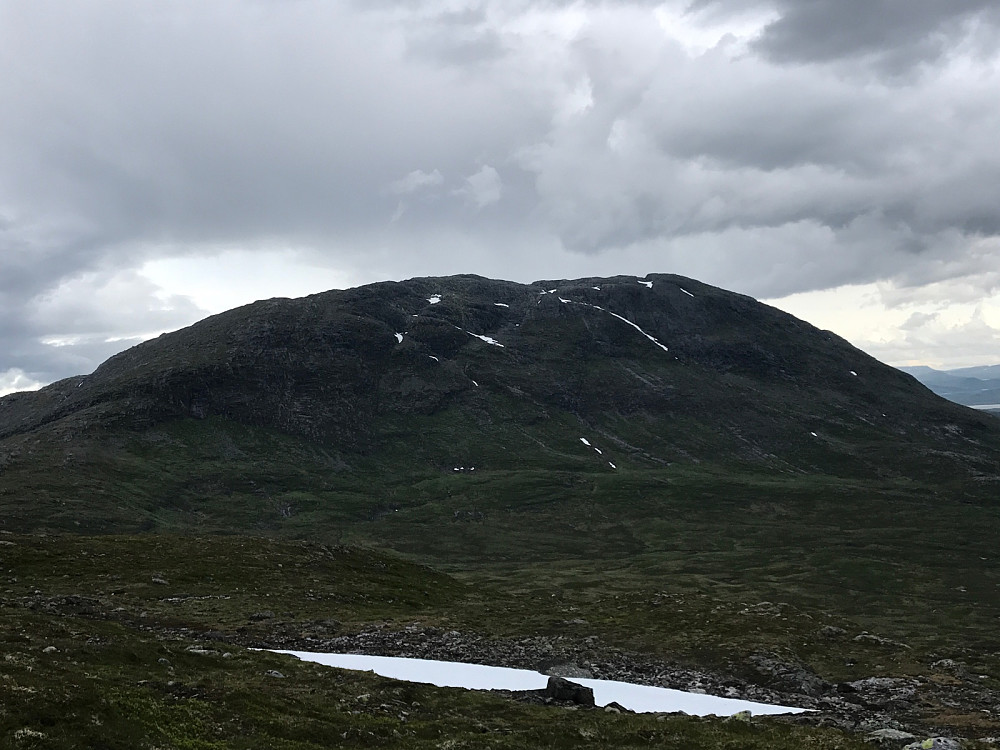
(971, 386)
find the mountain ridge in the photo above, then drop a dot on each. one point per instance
(347, 368)
(970, 386)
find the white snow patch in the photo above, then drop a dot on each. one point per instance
(626, 320)
(854, 373)
(487, 339)
(564, 301)
(596, 288)
(399, 338)
(434, 299)
(639, 698)
(685, 291)
(585, 442)
(475, 383)
(814, 434)
(612, 465)
(433, 357)
(639, 330)
(647, 284)
(598, 450)
(500, 304)
(553, 291)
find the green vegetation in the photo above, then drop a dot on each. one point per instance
(111, 642)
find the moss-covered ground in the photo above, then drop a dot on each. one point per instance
(126, 642)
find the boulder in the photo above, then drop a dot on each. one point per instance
(564, 691)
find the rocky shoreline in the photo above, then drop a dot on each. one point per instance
(889, 711)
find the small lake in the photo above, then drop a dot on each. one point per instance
(638, 698)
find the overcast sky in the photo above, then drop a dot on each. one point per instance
(160, 161)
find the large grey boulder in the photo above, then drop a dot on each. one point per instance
(562, 690)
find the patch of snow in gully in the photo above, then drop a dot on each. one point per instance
(647, 284)
(640, 698)
(685, 291)
(487, 339)
(434, 299)
(399, 338)
(624, 320)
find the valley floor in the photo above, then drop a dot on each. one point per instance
(132, 642)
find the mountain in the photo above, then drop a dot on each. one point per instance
(971, 386)
(372, 389)
(653, 477)
(984, 372)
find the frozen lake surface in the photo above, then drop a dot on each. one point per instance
(639, 698)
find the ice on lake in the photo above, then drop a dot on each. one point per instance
(639, 698)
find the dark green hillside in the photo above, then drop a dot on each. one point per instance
(739, 384)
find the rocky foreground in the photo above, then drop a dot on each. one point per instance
(948, 706)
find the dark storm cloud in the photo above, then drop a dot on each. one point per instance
(895, 34)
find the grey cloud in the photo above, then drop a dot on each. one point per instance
(72, 328)
(450, 132)
(895, 35)
(415, 180)
(483, 188)
(221, 140)
(917, 320)
(721, 143)
(928, 342)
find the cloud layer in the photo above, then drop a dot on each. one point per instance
(770, 147)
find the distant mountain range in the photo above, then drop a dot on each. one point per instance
(971, 386)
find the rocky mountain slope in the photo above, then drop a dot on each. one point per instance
(433, 374)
